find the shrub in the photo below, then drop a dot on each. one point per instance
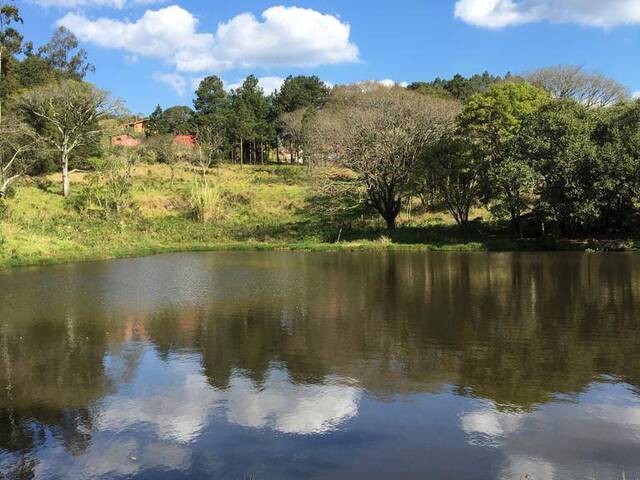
(110, 189)
(206, 201)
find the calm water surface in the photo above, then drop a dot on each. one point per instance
(322, 365)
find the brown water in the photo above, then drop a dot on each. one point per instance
(323, 365)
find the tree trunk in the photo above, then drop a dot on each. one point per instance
(66, 184)
(278, 149)
(241, 152)
(390, 219)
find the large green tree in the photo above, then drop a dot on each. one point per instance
(300, 92)
(212, 103)
(491, 121)
(63, 53)
(557, 142)
(250, 123)
(10, 43)
(617, 166)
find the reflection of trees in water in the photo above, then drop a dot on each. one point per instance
(515, 329)
(512, 328)
(51, 372)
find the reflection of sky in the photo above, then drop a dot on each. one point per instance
(166, 419)
(151, 423)
(597, 433)
(175, 400)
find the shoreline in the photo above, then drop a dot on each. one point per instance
(493, 245)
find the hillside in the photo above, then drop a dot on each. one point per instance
(260, 207)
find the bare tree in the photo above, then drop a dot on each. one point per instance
(166, 151)
(590, 89)
(66, 116)
(380, 133)
(209, 143)
(17, 143)
(295, 129)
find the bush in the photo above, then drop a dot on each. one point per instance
(43, 183)
(110, 189)
(206, 201)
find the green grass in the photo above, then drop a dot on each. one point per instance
(263, 208)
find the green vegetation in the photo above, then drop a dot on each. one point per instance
(479, 163)
(112, 214)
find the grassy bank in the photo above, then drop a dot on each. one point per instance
(261, 207)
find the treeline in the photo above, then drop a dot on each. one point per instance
(254, 127)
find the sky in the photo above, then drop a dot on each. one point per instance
(150, 52)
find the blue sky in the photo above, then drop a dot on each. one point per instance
(150, 52)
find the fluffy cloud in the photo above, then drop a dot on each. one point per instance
(285, 36)
(168, 34)
(502, 13)
(174, 80)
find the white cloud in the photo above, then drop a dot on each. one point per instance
(169, 34)
(502, 13)
(387, 82)
(285, 36)
(174, 80)
(635, 95)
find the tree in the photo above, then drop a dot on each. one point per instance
(294, 127)
(300, 92)
(490, 121)
(157, 123)
(165, 151)
(293, 105)
(10, 39)
(65, 116)
(452, 166)
(212, 103)
(458, 87)
(250, 119)
(617, 165)
(557, 142)
(514, 180)
(380, 134)
(62, 52)
(179, 120)
(589, 89)
(17, 142)
(208, 148)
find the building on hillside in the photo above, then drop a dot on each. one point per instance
(139, 126)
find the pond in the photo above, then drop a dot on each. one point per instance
(343, 365)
